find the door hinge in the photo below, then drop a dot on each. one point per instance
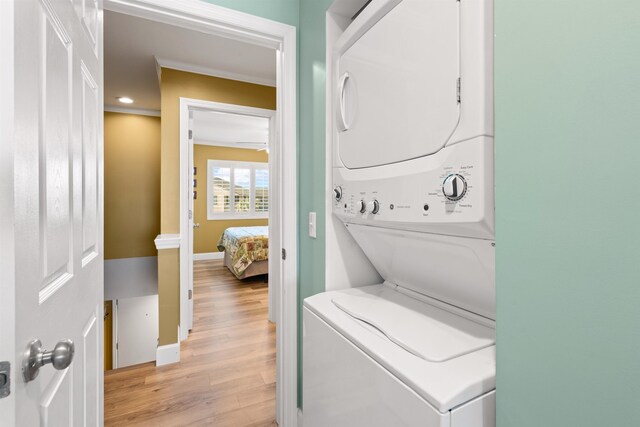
(190, 134)
(190, 214)
(458, 90)
(117, 347)
(5, 379)
(284, 253)
(190, 294)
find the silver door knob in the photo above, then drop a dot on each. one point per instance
(196, 225)
(36, 357)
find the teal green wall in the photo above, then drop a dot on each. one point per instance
(568, 212)
(286, 11)
(311, 147)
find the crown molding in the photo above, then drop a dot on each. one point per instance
(248, 146)
(129, 110)
(181, 66)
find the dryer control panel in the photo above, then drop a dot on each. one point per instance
(450, 192)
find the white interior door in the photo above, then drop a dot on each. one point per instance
(137, 332)
(58, 208)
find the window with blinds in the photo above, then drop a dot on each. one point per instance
(237, 189)
(262, 190)
(221, 190)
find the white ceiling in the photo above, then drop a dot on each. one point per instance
(230, 130)
(131, 43)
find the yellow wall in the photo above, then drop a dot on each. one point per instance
(206, 237)
(175, 84)
(168, 295)
(132, 185)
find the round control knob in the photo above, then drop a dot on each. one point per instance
(454, 187)
(337, 193)
(362, 206)
(373, 206)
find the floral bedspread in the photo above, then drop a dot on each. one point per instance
(244, 246)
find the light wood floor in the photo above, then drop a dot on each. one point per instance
(226, 375)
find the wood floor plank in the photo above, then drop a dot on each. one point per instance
(226, 373)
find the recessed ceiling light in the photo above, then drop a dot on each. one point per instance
(125, 100)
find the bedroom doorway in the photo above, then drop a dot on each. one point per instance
(227, 184)
(207, 20)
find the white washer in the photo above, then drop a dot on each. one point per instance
(413, 185)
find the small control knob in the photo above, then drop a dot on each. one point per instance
(454, 187)
(362, 206)
(373, 206)
(337, 193)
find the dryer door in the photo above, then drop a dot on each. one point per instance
(397, 69)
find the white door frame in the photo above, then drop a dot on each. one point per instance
(208, 18)
(187, 105)
(7, 228)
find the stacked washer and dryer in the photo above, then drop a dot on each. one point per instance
(413, 183)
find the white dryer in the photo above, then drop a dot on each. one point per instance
(413, 185)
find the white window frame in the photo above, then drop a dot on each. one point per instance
(232, 215)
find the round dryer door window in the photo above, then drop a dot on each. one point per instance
(396, 94)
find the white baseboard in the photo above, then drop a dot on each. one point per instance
(167, 354)
(208, 255)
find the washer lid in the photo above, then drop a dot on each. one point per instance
(424, 330)
(397, 68)
(445, 385)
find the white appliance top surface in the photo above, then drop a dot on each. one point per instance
(443, 357)
(407, 322)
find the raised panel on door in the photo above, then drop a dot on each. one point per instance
(55, 166)
(90, 206)
(56, 404)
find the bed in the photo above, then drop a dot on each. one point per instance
(246, 250)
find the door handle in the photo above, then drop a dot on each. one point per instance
(343, 125)
(196, 225)
(36, 357)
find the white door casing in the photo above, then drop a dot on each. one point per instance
(190, 227)
(58, 207)
(7, 237)
(211, 19)
(187, 213)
